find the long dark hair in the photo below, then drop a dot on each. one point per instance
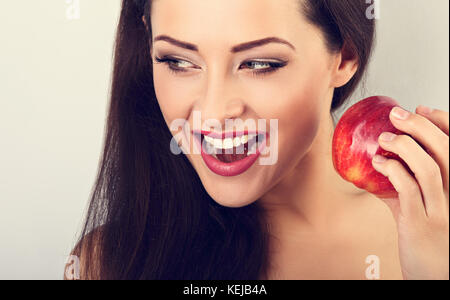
(149, 215)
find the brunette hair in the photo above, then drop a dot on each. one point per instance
(149, 215)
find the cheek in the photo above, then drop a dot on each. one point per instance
(297, 102)
(172, 96)
(298, 122)
(301, 111)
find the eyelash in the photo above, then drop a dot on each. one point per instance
(274, 66)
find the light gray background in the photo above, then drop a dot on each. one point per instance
(54, 84)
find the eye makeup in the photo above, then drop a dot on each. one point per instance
(172, 65)
(273, 66)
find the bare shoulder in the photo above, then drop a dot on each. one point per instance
(84, 260)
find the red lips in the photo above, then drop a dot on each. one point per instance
(233, 168)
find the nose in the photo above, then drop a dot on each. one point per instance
(234, 109)
(220, 103)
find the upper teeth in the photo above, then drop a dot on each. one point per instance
(229, 143)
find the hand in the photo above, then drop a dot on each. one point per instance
(421, 210)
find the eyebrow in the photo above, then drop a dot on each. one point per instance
(234, 49)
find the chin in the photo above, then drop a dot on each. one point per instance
(230, 197)
(233, 191)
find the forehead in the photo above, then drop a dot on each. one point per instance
(230, 21)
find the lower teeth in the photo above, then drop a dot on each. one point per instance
(236, 155)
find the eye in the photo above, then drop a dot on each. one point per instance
(272, 66)
(172, 64)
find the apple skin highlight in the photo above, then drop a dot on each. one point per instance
(355, 143)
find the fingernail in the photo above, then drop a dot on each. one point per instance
(379, 159)
(400, 113)
(425, 110)
(387, 136)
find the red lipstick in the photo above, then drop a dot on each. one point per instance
(233, 168)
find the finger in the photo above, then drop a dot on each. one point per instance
(425, 169)
(409, 195)
(438, 117)
(427, 134)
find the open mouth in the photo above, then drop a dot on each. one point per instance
(230, 149)
(230, 154)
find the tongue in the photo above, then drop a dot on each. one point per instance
(229, 158)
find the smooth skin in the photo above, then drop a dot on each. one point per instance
(322, 227)
(421, 210)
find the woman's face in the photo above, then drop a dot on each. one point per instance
(221, 84)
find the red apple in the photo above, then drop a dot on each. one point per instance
(355, 143)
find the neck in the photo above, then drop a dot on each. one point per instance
(313, 193)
